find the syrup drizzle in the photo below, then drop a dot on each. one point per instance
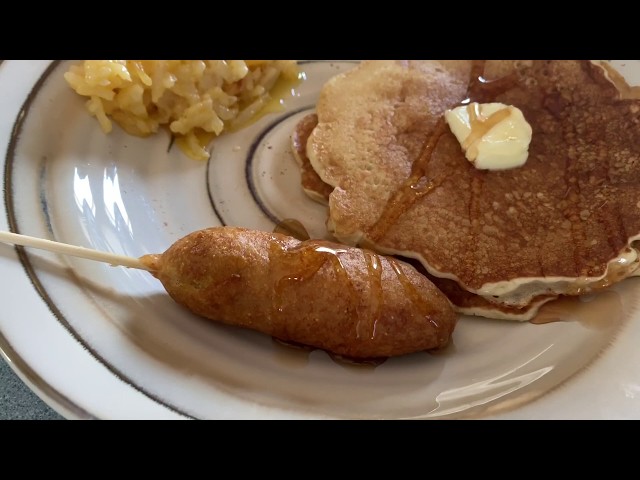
(301, 262)
(367, 328)
(602, 311)
(419, 301)
(419, 184)
(480, 127)
(482, 90)
(415, 187)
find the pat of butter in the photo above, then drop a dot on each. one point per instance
(493, 136)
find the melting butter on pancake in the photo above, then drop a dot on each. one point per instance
(561, 224)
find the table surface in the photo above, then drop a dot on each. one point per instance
(18, 402)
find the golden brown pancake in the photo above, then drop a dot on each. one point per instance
(402, 184)
(311, 183)
(463, 301)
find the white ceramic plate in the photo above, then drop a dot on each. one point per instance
(107, 342)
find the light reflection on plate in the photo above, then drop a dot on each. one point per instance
(109, 341)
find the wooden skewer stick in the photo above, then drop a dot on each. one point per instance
(66, 249)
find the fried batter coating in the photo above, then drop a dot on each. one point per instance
(347, 301)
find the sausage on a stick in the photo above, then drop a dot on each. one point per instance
(348, 301)
(344, 300)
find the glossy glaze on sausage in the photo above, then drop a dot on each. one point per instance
(347, 301)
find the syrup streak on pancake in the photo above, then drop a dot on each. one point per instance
(464, 302)
(618, 268)
(419, 184)
(416, 186)
(481, 90)
(520, 290)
